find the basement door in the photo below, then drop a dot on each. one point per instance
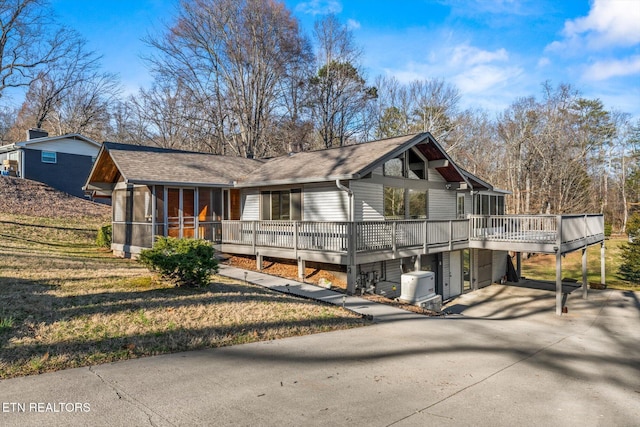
(455, 273)
(485, 267)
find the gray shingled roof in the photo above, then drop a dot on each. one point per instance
(139, 164)
(147, 165)
(330, 164)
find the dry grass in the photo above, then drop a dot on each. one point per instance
(65, 303)
(543, 267)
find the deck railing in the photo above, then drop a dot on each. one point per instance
(576, 227)
(536, 228)
(372, 236)
(368, 236)
(515, 228)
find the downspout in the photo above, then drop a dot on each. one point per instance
(351, 287)
(22, 162)
(350, 194)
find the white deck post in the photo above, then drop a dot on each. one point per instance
(352, 269)
(154, 209)
(301, 268)
(602, 272)
(558, 250)
(558, 282)
(584, 273)
(519, 264)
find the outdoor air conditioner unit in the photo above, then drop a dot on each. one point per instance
(417, 286)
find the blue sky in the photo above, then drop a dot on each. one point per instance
(493, 50)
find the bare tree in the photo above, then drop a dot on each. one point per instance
(86, 106)
(29, 40)
(230, 55)
(434, 109)
(339, 92)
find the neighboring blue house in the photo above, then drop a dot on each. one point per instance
(63, 162)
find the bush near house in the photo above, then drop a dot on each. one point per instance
(184, 262)
(103, 239)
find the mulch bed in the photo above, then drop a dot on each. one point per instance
(289, 270)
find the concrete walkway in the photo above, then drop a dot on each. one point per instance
(376, 311)
(505, 359)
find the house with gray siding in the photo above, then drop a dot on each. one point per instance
(375, 210)
(63, 162)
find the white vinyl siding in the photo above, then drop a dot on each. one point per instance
(68, 146)
(434, 176)
(468, 204)
(250, 205)
(393, 270)
(324, 204)
(499, 265)
(442, 204)
(368, 201)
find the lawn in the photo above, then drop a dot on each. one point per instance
(543, 267)
(66, 303)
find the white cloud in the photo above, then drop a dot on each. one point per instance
(543, 62)
(609, 23)
(352, 24)
(484, 77)
(468, 55)
(319, 7)
(603, 70)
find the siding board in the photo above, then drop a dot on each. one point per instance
(250, 205)
(442, 204)
(324, 204)
(368, 201)
(68, 146)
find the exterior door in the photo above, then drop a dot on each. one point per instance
(485, 267)
(181, 218)
(455, 273)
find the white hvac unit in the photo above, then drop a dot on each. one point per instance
(417, 286)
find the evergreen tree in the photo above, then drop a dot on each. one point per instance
(630, 267)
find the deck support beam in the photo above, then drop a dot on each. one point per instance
(584, 273)
(559, 283)
(519, 264)
(301, 268)
(602, 270)
(259, 262)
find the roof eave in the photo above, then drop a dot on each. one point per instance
(7, 148)
(178, 183)
(293, 181)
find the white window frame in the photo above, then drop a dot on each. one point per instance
(49, 157)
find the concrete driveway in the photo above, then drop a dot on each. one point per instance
(506, 360)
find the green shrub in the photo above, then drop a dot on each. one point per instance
(184, 262)
(608, 228)
(103, 239)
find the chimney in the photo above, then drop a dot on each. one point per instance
(36, 133)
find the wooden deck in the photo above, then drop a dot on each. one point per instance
(368, 241)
